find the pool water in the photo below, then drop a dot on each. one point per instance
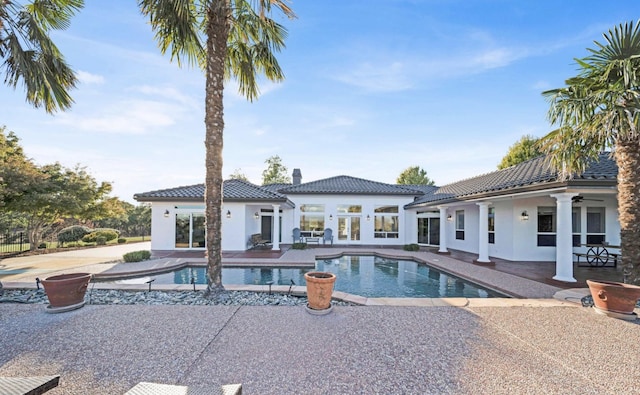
(368, 276)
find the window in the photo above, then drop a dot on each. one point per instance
(546, 226)
(349, 209)
(460, 225)
(575, 226)
(595, 225)
(386, 222)
(311, 220)
(492, 225)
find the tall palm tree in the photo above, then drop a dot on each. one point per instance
(28, 54)
(240, 41)
(599, 109)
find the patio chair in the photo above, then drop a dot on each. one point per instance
(297, 237)
(327, 236)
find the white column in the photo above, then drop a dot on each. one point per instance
(443, 230)
(483, 232)
(564, 239)
(275, 242)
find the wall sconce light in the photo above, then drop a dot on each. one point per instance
(228, 214)
(524, 216)
(166, 213)
(256, 215)
(330, 217)
(450, 218)
(368, 217)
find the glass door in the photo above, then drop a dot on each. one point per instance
(190, 230)
(348, 228)
(429, 231)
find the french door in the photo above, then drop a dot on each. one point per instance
(429, 231)
(348, 228)
(190, 230)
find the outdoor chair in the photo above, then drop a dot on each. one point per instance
(297, 237)
(327, 236)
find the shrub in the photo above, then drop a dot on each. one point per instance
(107, 234)
(122, 240)
(299, 246)
(411, 247)
(73, 233)
(137, 256)
(101, 240)
(42, 245)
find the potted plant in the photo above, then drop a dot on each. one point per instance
(66, 291)
(614, 299)
(319, 290)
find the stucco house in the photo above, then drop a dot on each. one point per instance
(522, 213)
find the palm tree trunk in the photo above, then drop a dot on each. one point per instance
(627, 155)
(217, 32)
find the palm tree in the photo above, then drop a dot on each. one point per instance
(241, 40)
(598, 110)
(28, 54)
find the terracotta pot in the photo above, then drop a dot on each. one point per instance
(319, 289)
(615, 297)
(66, 289)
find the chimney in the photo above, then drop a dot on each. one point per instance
(297, 177)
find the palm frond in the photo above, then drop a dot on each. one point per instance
(178, 27)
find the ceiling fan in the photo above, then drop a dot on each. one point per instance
(578, 199)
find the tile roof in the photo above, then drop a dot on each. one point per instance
(349, 185)
(233, 190)
(532, 173)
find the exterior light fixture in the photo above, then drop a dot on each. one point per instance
(166, 213)
(524, 216)
(256, 215)
(368, 217)
(330, 217)
(450, 218)
(228, 214)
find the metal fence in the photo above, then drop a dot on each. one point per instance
(13, 242)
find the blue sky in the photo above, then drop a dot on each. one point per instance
(372, 87)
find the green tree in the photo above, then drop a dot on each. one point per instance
(414, 175)
(528, 147)
(240, 41)
(597, 110)
(276, 172)
(17, 172)
(29, 56)
(58, 193)
(238, 175)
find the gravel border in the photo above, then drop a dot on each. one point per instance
(119, 297)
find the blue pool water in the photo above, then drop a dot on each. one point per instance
(369, 276)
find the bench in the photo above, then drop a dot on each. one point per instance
(595, 260)
(257, 240)
(309, 240)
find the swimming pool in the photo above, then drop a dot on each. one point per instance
(369, 276)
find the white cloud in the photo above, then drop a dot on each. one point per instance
(88, 78)
(389, 77)
(127, 117)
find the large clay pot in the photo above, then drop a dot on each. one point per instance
(67, 289)
(319, 289)
(614, 297)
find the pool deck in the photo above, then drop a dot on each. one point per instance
(475, 346)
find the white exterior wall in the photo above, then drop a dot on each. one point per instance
(517, 239)
(470, 242)
(368, 204)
